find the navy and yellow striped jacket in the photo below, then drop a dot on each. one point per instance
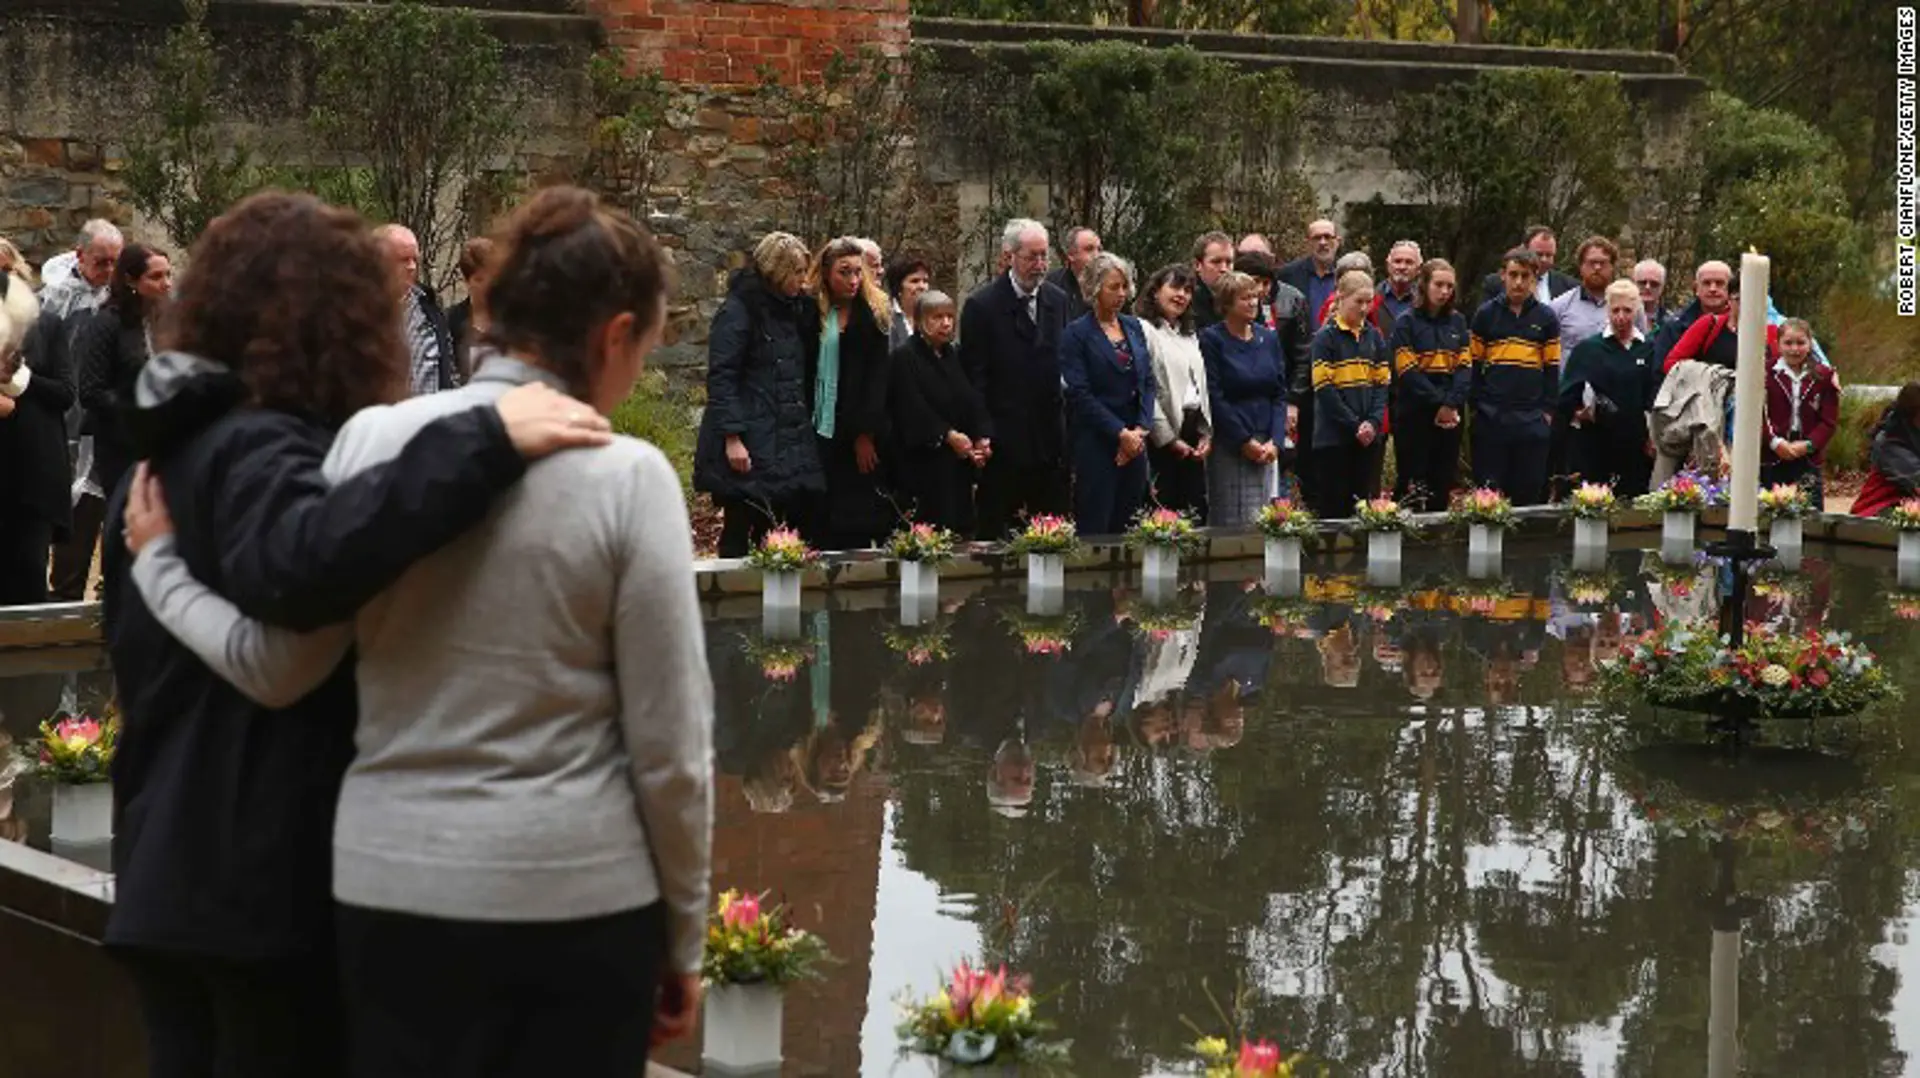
(1516, 362)
(1351, 371)
(1431, 365)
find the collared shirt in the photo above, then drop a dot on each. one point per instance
(1796, 386)
(1320, 288)
(1393, 304)
(1031, 300)
(424, 344)
(1542, 287)
(1516, 361)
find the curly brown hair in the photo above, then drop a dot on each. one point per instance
(564, 265)
(292, 294)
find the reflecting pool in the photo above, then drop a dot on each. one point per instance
(1391, 828)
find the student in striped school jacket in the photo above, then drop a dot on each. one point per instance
(1431, 378)
(1515, 346)
(1351, 371)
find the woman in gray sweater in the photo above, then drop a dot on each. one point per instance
(522, 845)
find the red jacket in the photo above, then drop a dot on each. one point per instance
(1819, 408)
(1693, 343)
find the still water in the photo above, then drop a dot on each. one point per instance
(1393, 829)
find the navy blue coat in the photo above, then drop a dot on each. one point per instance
(1103, 397)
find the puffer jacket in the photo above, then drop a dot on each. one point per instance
(760, 387)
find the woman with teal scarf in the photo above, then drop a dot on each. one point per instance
(850, 399)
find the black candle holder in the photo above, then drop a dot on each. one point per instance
(1741, 549)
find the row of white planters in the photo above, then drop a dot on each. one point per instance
(740, 1034)
(83, 815)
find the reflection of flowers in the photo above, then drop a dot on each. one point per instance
(979, 1017)
(1776, 584)
(1905, 605)
(1254, 1059)
(1680, 581)
(1380, 604)
(1589, 590)
(920, 644)
(1482, 505)
(1832, 823)
(778, 660)
(1481, 597)
(1042, 634)
(1283, 615)
(1158, 621)
(749, 942)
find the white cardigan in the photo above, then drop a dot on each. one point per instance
(1179, 373)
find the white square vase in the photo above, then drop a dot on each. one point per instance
(83, 814)
(1909, 559)
(1589, 544)
(919, 581)
(740, 1031)
(1485, 541)
(1046, 572)
(1160, 561)
(1676, 537)
(780, 589)
(1787, 537)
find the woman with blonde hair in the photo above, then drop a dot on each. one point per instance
(1351, 373)
(756, 452)
(849, 403)
(1247, 381)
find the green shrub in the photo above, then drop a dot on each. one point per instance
(654, 413)
(1847, 452)
(1867, 339)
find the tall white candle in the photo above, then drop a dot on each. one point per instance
(1723, 1000)
(1749, 394)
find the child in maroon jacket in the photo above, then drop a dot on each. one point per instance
(1803, 408)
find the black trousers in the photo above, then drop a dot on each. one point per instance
(1512, 458)
(1012, 489)
(1803, 472)
(941, 488)
(1426, 461)
(73, 559)
(1603, 456)
(1340, 474)
(429, 998)
(216, 1018)
(1179, 483)
(24, 542)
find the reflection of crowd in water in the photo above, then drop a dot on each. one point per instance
(1112, 676)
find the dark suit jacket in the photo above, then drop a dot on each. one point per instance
(1493, 287)
(1063, 279)
(106, 355)
(36, 475)
(1102, 396)
(1013, 362)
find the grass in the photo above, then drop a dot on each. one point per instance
(654, 413)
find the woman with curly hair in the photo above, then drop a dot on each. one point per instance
(546, 916)
(224, 801)
(850, 397)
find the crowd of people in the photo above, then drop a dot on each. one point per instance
(415, 762)
(844, 393)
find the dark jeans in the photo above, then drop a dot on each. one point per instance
(73, 559)
(430, 998)
(1426, 461)
(1804, 472)
(1511, 458)
(24, 543)
(215, 1018)
(1341, 478)
(1011, 489)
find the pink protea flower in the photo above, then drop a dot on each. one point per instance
(742, 913)
(76, 734)
(1258, 1058)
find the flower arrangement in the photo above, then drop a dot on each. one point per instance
(1677, 580)
(1043, 635)
(1480, 598)
(1380, 604)
(1820, 825)
(1687, 492)
(1282, 519)
(1784, 501)
(77, 750)
(778, 660)
(1046, 534)
(1778, 673)
(1381, 514)
(978, 1018)
(920, 644)
(1904, 516)
(928, 544)
(1904, 604)
(1168, 529)
(1282, 615)
(1592, 501)
(749, 942)
(1254, 1059)
(1159, 621)
(781, 550)
(1482, 505)
(1589, 590)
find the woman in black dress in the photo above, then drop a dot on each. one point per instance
(850, 399)
(939, 421)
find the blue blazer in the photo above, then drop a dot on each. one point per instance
(1103, 396)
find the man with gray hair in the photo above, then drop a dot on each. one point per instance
(84, 285)
(435, 366)
(1394, 296)
(66, 304)
(1650, 278)
(1010, 347)
(1314, 273)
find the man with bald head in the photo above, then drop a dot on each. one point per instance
(1313, 273)
(1712, 284)
(435, 366)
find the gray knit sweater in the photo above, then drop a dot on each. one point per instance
(536, 713)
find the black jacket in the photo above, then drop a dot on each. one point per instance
(223, 808)
(1013, 362)
(460, 328)
(36, 475)
(760, 357)
(451, 375)
(1063, 279)
(107, 357)
(1290, 318)
(931, 396)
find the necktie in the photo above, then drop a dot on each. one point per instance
(1033, 306)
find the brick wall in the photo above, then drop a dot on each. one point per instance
(726, 44)
(824, 861)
